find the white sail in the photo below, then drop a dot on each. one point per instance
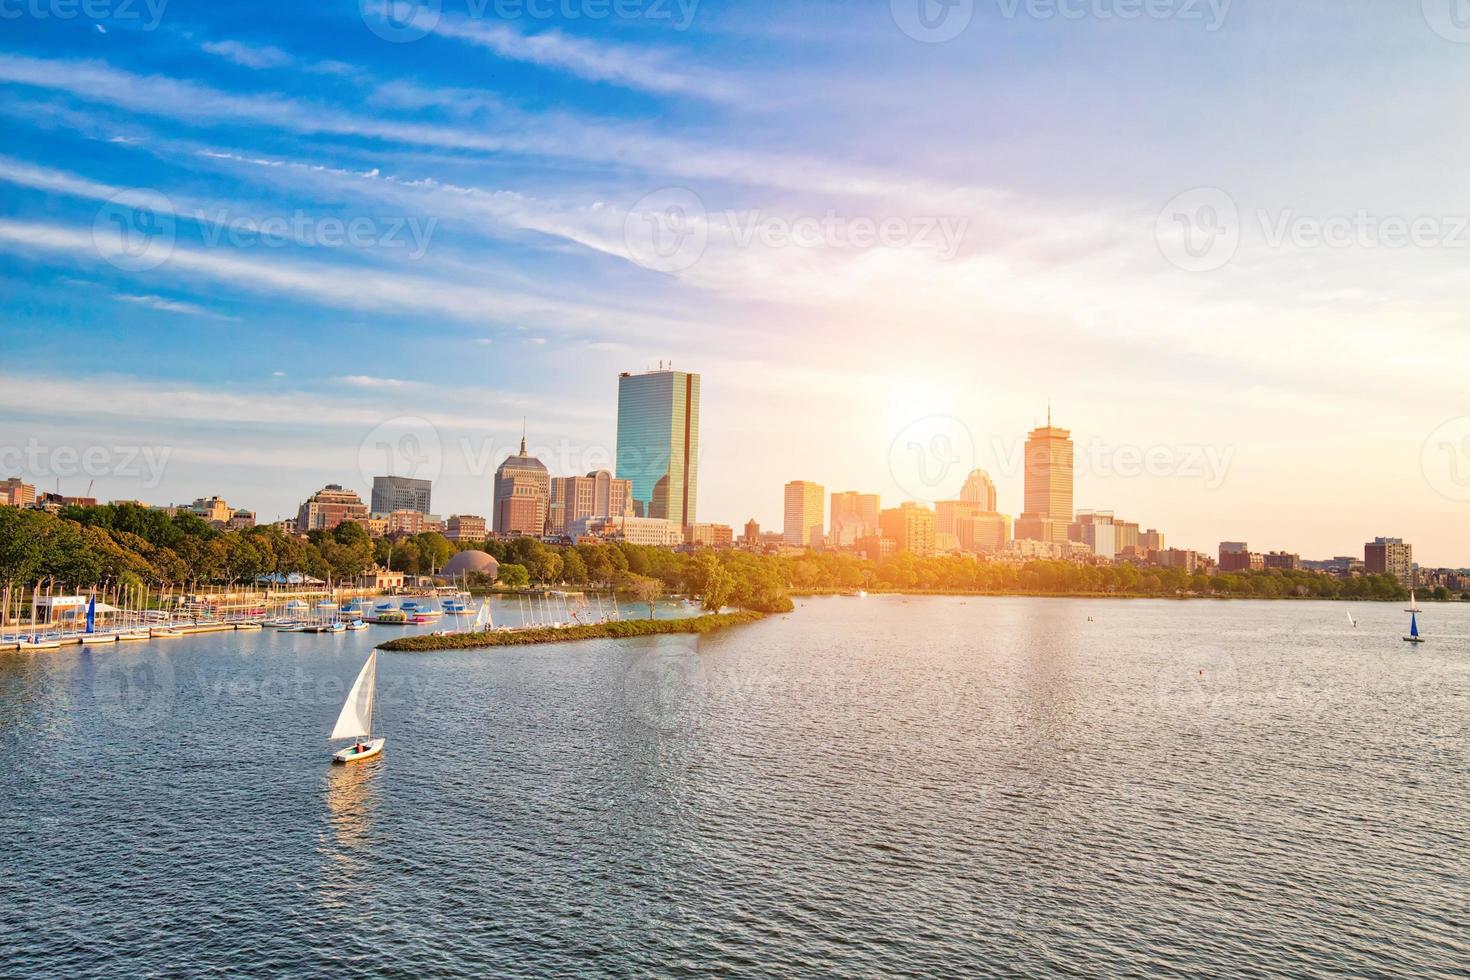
(482, 619)
(356, 719)
(1413, 605)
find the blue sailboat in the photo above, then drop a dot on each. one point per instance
(1413, 636)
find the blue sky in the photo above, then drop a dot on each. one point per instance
(504, 175)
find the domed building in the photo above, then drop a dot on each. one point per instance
(522, 491)
(469, 563)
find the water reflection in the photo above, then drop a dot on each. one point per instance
(351, 794)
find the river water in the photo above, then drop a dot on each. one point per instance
(865, 786)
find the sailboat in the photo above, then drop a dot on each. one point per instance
(1413, 636)
(482, 618)
(1413, 605)
(356, 720)
(1351, 621)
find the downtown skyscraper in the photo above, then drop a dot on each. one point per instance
(658, 442)
(1048, 504)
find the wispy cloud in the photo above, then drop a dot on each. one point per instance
(248, 56)
(637, 68)
(173, 306)
(368, 381)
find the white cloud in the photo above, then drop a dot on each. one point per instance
(595, 61)
(172, 306)
(248, 56)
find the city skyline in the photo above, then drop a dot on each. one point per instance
(502, 275)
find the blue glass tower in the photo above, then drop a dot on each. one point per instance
(658, 442)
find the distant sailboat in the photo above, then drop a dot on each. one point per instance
(1413, 636)
(1413, 605)
(356, 720)
(482, 618)
(1351, 621)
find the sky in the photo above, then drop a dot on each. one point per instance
(249, 251)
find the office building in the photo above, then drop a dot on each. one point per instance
(1283, 560)
(752, 536)
(984, 533)
(466, 527)
(658, 442)
(392, 493)
(709, 535)
(979, 489)
(911, 527)
(1097, 530)
(576, 498)
(853, 516)
(1390, 556)
(1236, 556)
(1150, 541)
(16, 493)
(803, 525)
(1049, 460)
(634, 530)
(328, 507)
(522, 492)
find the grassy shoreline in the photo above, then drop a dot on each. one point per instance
(1016, 594)
(617, 629)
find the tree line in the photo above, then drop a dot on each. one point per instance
(87, 547)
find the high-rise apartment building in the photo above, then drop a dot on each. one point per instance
(979, 489)
(911, 527)
(985, 533)
(658, 442)
(853, 516)
(1048, 511)
(522, 492)
(803, 526)
(392, 493)
(576, 498)
(1097, 530)
(328, 507)
(1390, 556)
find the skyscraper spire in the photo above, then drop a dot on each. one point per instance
(523, 435)
(1048, 413)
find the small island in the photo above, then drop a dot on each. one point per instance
(612, 629)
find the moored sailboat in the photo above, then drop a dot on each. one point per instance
(356, 720)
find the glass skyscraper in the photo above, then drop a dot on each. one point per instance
(658, 442)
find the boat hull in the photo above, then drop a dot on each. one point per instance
(373, 748)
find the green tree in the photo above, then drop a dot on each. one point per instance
(513, 576)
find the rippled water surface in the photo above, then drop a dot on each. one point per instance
(865, 786)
